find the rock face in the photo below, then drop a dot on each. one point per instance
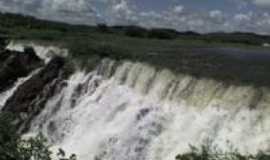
(3, 43)
(14, 65)
(31, 97)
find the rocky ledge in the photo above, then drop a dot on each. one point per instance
(14, 65)
(31, 97)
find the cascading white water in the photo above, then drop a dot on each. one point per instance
(42, 51)
(140, 113)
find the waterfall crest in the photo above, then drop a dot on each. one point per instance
(44, 52)
(133, 111)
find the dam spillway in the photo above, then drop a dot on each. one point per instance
(126, 110)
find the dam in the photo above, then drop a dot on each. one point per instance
(133, 110)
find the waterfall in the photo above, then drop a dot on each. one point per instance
(134, 111)
(44, 52)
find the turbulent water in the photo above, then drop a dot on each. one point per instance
(132, 111)
(141, 113)
(43, 51)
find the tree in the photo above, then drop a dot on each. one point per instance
(13, 147)
(103, 28)
(206, 153)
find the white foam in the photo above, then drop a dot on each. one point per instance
(107, 118)
(43, 51)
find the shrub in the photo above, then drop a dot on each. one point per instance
(103, 28)
(13, 147)
(134, 31)
(205, 153)
(162, 34)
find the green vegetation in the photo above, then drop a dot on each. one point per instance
(119, 41)
(13, 147)
(27, 27)
(185, 52)
(205, 153)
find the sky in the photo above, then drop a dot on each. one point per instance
(196, 15)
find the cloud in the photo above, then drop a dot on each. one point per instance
(126, 12)
(263, 3)
(121, 10)
(215, 13)
(121, 6)
(242, 17)
(73, 11)
(178, 9)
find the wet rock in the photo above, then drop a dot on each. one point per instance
(14, 65)
(3, 43)
(143, 112)
(31, 97)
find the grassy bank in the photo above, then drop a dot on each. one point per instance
(185, 52)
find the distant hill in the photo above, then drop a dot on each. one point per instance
(16, 25)
(231, 57)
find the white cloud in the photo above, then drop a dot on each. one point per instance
(121, 9)
(78, 6)
(242, 17)
(121, 6)
(215, 13)
(178, 9)
(150, 14)
(264, 3)
(124, 12)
